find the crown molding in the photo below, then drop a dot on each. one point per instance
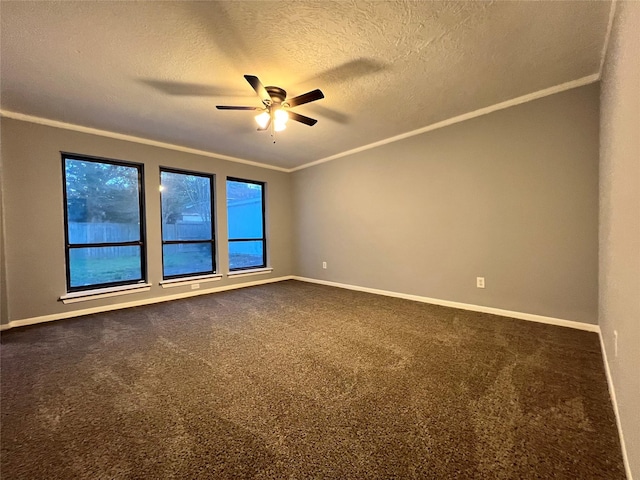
(461, 118)
(130, 138)
(444, 123)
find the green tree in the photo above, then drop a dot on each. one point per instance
(102, 192)
(181, 192)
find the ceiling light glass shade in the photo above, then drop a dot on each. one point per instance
(280, 120)
(262, 119)
(281, 116)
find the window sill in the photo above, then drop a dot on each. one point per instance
(248, 273)
(87, 295)
(178, 282)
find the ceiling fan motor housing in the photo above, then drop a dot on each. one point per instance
(277, 94)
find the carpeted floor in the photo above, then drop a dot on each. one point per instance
(295, 380)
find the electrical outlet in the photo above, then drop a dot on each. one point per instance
(195, 286)
(324, 265)
(480, 282)
(615, 342)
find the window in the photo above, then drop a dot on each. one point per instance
(103, 223)
(188, 247)
(245, 217)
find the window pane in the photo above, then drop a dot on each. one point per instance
(187, 214)
(102, 202)
(187, 259)
(246, 254)
(186, 206)
(244, 210)
(99, 265)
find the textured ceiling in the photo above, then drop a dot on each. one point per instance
(156, 70)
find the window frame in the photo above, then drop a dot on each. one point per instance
(264, 225)
(163, 242)
(141, 243)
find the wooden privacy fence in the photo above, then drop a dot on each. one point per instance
(103, 232)
(87, 233)
(80, 233)
(186, 231)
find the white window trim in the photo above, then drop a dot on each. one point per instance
(250, 272)
(178, 282)
(86, 295)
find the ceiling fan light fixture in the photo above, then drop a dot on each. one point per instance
(262, 119)
(281, 116)
(280, 119)
(273, 114)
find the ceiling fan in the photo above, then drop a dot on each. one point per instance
(275, 110)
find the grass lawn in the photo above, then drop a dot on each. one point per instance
(96, 270)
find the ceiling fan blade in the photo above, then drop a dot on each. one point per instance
(311, 96)
(189, 89)
(259, 88)
(330, 114)
(353, 69)
(302, 119)
(226, 107)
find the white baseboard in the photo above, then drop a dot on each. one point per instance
(614, 402)
(463, 306)
(147, 301)
(417, 298)
(511, 314)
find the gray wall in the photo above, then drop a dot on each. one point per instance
(620, 220)
(511, 196)
(34, 225)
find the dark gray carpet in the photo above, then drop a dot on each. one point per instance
(295, 380)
